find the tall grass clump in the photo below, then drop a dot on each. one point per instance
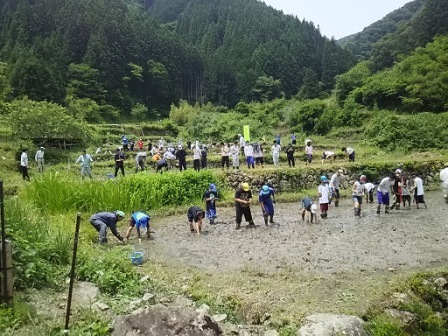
(59, 192)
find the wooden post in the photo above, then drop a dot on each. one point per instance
(6, 280)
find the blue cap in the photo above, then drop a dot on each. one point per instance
(324, 178)
(212, 187)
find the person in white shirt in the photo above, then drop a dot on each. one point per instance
(140, 160)
(39, 157)
(24, 164)
(309, 152)
(328, 155)
(419, 192)
(85, 160)
(350, 152)
(275, 149)
(225, 152)
(358, 193)
(235, 152)
(444, 179)
(370, 187)
(170, 158)
(324, 196)
(197, 157)
(335, 182)
(383, 193)
(249, 154)
(242, 141)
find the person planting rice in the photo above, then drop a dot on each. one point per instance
(210, 197)
(383, 193)
(195, 215)
(357, 194)
(140, 221)
(335, 182)
(328, 155)
(370, 187)
(243, 198)
(267, 201)
(309, 210)
(103, 220)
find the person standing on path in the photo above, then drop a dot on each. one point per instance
(181, 156)
(103, 220)
(242, 141)
(275, 149)
(235, 152)
(203, 156)
(39, 157)
(383, 193)
(350, 152)
(266, 198)
(124, 142)
(249, 153)
(309, 152)
(418, 190)
(243, 199)
(119, 162)
(358, 194)
(225, 152)
(335, 183)
(196, 158)
(324, 196)
(278, 140)
(290, 155)
(293, 139)
(85, 160)
(24, 164)
(258, 154)
(444, 179)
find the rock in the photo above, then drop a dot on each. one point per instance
(100, 306)
(441, 282)
(144, 279)
(150, 298)
(203, 309)
(332, 325)
(134, 304)
(271, 333)
(84, 294)
(219, 317)
(400, 297)
(404, 317)
(184, 288)
(161, 320)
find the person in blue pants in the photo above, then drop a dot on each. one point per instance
(267, 201)
(140, 221)
(210, 197)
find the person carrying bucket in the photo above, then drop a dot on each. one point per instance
(103, 220)
(140, 220)
(267, 203)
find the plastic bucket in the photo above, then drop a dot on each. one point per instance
(137, 258)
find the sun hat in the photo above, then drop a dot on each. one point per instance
(363, 178)
(120, 213)
(245, 186)
(42, 148)
(341, 171)
(323, 178)
(398, 171)
(265, 190)
(313, 208)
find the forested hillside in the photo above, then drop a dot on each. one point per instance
(361, 44)
(253, 52)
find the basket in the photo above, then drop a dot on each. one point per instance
(137, 258)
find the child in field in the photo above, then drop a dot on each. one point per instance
(383, 193)
(267, 203)
(309, 210)
(418, 190)
(405, 192)
(369, 189)
(396, 188)
(324, 196)
(140, 220)
(357, 193)
(210, 197)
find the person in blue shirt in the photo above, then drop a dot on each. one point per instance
(266, 197)
(140, 220)
(277, 139)
(210, 197)
(103, 220)
(124, 142)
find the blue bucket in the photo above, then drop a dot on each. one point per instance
(137, 258)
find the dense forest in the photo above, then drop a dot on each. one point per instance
(253, 52)
(116, 57)
(361, 44)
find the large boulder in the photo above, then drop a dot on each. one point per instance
(84, 294)
(332, 325)
(160, 320)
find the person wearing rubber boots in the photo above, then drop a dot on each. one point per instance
(444, 179)
(103, 220)
(243, 199)
(210, 197)
(335, 183)
(266, 198)
(383, 193)
(358, 191)
(140, 221)
(324, 196)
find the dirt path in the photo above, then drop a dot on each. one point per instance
(403, 239)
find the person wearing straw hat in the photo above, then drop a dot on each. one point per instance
(39, 157)
(444, 179)
(103, 220)
(139, 220)
(266, 198)
(309, 210)
(243, 198)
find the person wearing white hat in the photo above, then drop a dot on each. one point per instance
(39, 157)
(103, 220)
(309, 210)
(444, 179)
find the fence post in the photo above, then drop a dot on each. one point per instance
(72, 271)
(6, 257)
